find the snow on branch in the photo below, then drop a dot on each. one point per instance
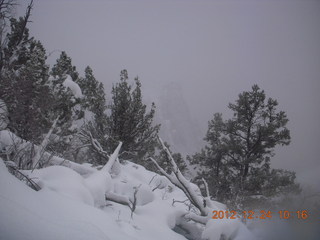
(196, 218)
(81, 169)
(112, 159)
(181, 182)
(94, 143)
(40, 149)
(12, 145)
(123, 200)
(206, 187)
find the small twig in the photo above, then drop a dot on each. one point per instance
(152, 179)
(174, 201)
(134, 203)
(34, 185)
(156, 187)
(129, 153)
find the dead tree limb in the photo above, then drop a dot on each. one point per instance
(181, 182)
(206, 187)
(22, 176)
(41, 149)
(123, 200)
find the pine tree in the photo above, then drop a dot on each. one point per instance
(23, 81)
(237, 158)
(64, 67)
(65, 101)
(95, 102)
(130, 122)
(31, 115)
(94, 98)
(66, 104)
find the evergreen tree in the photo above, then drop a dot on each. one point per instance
(66, 104)
(23, 81)
(94, 101)
(31, 115)
(64, 67)
(94, 98)
(237, 158)
(65, 101)
(130, 122)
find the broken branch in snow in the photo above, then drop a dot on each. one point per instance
(174, 201)
(134, 202)
(40, 149)
(94, 143)
(81, 169)
(181, 182)
(112, 158)
(156, 187)
(22, 176)
(98, 148)
(123, 200)
(206, 187)
(110, 196)
(196, 218)
(152, 179)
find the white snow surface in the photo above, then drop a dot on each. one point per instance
(72, 206)
(63, 181)
(73, 86)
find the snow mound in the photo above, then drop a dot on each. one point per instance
(74, 87)
(29, 215)
(64, 181)
(99, 183)
(144, 195)
(217, 227)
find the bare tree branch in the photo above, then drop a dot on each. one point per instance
(22, 176)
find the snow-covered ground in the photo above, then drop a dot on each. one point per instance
(72, 205)
(65, 207)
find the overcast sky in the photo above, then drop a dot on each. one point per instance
(214, 49)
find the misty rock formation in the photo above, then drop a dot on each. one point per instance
(178, 127)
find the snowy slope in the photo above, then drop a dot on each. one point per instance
(71, 204)
(26, 214)
(63, 208)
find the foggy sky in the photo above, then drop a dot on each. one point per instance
(214, 49)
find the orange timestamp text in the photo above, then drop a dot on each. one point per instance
(283, 214)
